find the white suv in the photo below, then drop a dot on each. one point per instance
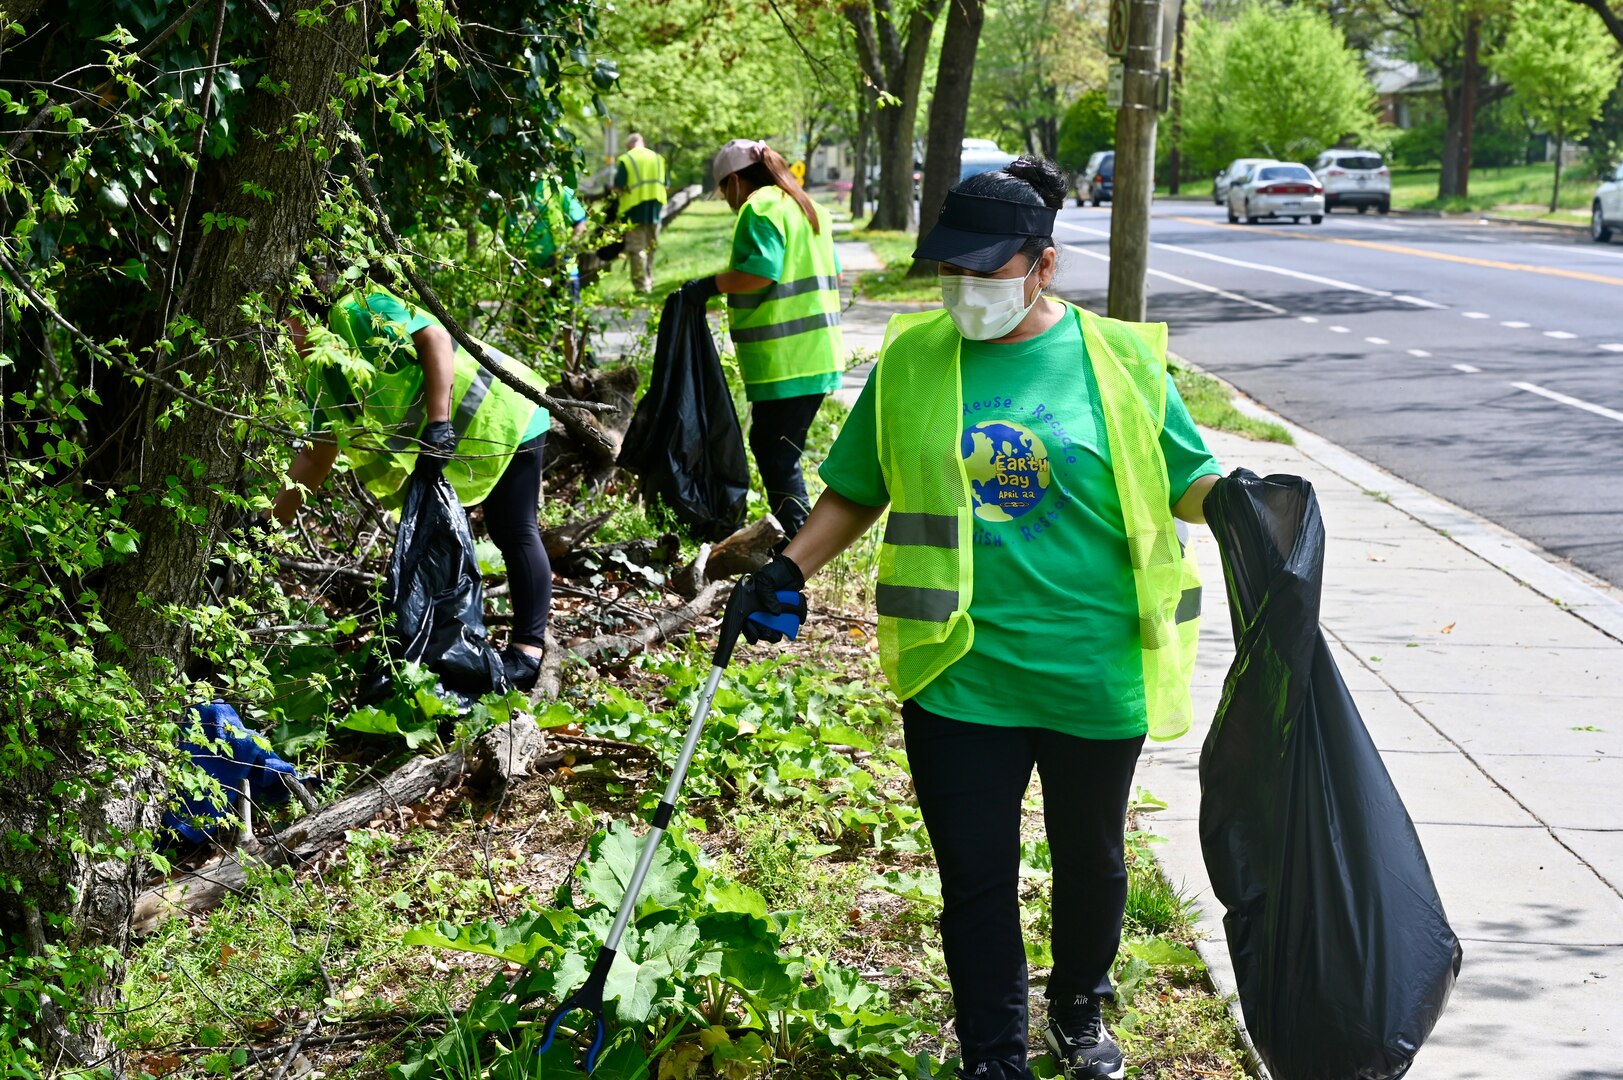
(1354, 178)
(1606, 215)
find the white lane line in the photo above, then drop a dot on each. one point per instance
(1243, 264)
(1176, 280)
(1576, 403)
(1370, 225)
(1339, 330)
(1515, 325)
(1377, 341)
(1613, 346)
(1476, 314)
(1417, 302)
(1573, 248)
(1422, 353)
(1559, 335)
(1467, 368)
(1314, 319)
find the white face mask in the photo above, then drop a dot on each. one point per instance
(986, 308)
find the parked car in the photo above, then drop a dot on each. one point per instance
(1354, 178)
(1097, 179)
(1231, 172)
(981, 155)
(1606, 215)
(1277, 189)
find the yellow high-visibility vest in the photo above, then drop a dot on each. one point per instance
(645, 178)
(926, 562)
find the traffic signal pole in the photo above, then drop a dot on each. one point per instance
(1135, 158)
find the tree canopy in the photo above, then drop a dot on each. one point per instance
(1275, 80)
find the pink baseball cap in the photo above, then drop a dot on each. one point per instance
(737, 154)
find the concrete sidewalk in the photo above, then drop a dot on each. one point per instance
(1499, 713)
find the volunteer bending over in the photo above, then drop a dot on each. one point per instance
(1036, 605)
(783, 310)
(428, 407)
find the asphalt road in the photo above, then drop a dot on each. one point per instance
(1481, 362)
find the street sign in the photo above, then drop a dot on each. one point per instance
(1116, 32)
(799, 170)
(1170, 10)
(1114, 79)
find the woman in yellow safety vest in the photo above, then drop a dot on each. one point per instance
(783, 312)
(1036, 604)
(427, 406)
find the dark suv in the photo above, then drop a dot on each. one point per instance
(1098, 179)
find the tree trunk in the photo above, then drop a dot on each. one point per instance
(949, 111)
(859, 155)
(1460, 104)
(1560, 147)
(1175, 157)
(185, 460)
(1135, 169)
(894, 63)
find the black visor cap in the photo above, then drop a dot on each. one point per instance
(981, 234)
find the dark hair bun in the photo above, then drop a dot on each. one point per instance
(1043, 175)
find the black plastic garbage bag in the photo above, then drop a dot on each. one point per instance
(684, 441)
(1342, 952)
(435, 594)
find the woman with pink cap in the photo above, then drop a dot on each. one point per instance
(783, 308)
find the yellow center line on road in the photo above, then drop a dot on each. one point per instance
(1441, 256)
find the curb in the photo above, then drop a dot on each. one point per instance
(1496, 219)
(1573, 590)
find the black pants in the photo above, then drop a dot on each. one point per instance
(971, 780)
(510, 518)
(777, 438)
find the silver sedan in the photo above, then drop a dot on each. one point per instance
(1277, 189)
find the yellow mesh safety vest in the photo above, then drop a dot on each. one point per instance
(791, 328)
(489, 417)
(926, 565)
(645, 178)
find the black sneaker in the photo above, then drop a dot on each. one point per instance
(1077, 1036)
(522, 669)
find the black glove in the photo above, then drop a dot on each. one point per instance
(438, 444)
(771, 615)
(699, 291)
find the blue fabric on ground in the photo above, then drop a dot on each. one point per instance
(229, 753)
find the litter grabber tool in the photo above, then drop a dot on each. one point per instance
(588, 997)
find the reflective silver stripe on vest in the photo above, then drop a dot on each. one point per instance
(1158, 633)
(781, 290)
(922, 530)
(405, 438)
(821, 321)
(1188, 606)
(472, 398)
(1152, 549)
(914, 602)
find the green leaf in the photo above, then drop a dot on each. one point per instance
(613, 856)
(843, 735)
(519, 942)
(1158, 952)
(648, 959)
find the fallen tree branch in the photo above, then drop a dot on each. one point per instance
(205, 888)
(581, 426)
(624, 646)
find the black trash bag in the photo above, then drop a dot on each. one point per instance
(1342, 952)
(684, 441)
(435, 595)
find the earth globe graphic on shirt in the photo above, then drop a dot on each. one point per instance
(1008, 469)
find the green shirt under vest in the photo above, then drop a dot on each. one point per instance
(759, 248)
(379, 328)
(1056, 618)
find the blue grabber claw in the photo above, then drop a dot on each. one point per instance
(589, 1000)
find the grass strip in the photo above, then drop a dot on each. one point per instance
(1212, 405)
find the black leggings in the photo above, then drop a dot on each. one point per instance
(777, 438)
(510, 518)
(971, 780)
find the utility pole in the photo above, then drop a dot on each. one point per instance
(1135, 155)
(1175, 158)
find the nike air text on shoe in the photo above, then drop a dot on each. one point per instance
(1081, 1045)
